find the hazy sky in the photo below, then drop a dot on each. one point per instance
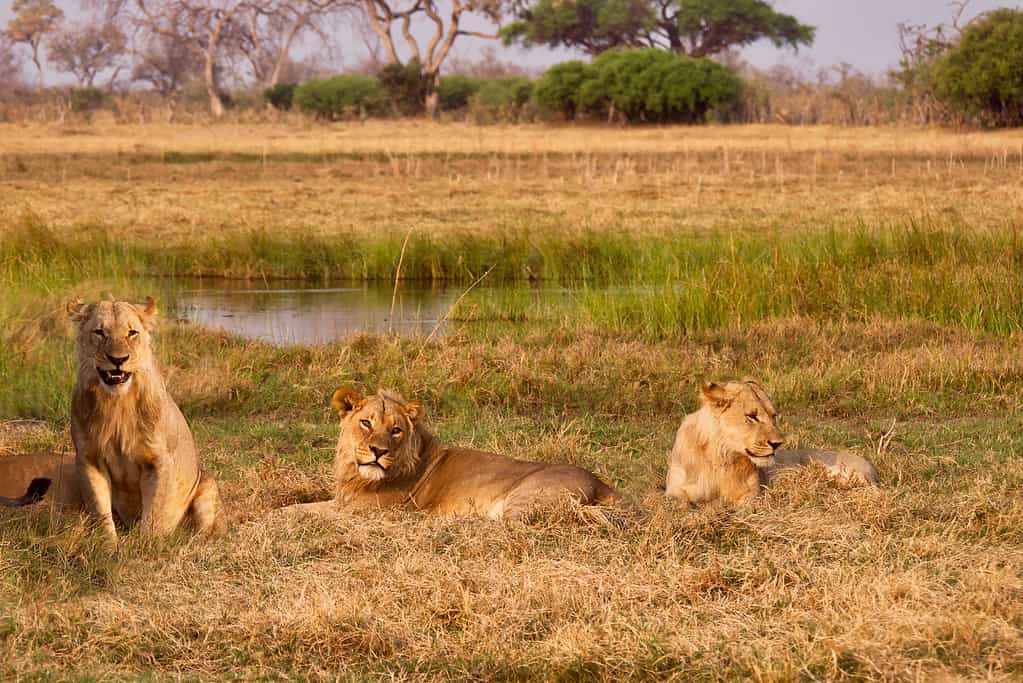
(861, 32)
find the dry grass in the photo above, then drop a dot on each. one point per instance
(180, 184)
(922, 579)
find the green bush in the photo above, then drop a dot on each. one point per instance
(86, 99)
(504, 91)
(505, 98)
(982, 76)
(557, 91)
(657, 86)
(280, 96)
(342, 95)
(406, 86)
(456, 90)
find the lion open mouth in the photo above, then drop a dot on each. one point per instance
(114, 377)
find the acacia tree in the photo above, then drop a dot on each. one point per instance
(166, 65)
(87, 51)
(10, 64)
(273, 29)
(697, 28)
(442, 25)
(33, 22)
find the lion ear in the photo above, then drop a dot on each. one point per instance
(345, 400)
(76, 310)
(415, 411)
(147, 310)
(714, 394)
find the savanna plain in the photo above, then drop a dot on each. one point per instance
(869, 278)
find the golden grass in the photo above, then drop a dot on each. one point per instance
(637, 181)
(921, 580)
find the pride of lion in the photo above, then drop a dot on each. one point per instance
(135, 460)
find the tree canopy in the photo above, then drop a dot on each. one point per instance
(697, 28)
(983, 74)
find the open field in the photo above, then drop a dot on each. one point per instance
(870, 278)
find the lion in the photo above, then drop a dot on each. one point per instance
(134, 455)
(728, 449)
(26, 479)
(386, 458)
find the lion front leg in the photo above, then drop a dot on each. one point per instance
(161, 514)
(95, 488)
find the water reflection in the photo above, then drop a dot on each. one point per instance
(291, 313)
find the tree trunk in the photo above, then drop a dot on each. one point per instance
(432, 101)
(216, 105)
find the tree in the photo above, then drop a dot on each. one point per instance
(10, 64)
(697, 28)
(165, 64)
(87, 51)
(274, 27)
(33, 22)
(219, 33)
(384, 15)
(983, 74)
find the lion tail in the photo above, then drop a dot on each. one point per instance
(36, 490)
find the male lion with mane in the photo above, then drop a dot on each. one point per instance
(728, 449)
(386, 458)
(134, 455)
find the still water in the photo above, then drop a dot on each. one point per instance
(296, 313)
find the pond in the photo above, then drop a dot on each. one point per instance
(285, 312)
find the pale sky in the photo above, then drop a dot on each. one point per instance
(860, 32)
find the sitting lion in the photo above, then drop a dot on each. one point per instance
(728, 449)
(386, 458)
(135, 458)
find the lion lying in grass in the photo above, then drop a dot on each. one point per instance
(728, 449)
(135, 458)
(386, 458)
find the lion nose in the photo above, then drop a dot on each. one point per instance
(378, 452)
(774, 444)
(116, 360)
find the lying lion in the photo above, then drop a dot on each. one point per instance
(135, 459)
(728, 449)
(386, 458)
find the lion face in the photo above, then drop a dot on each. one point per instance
(747, 420)
(113, 341)
(377, 433)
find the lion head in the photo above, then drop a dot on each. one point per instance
(113, 342)
(379, 439)
(747, 422)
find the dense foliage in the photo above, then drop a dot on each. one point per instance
(456, 90)
(280, 96)
(983, 74)
(406, 86)
(694, 27)
(342, 95)
(646, 85)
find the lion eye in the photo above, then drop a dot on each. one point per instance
(99, 333)
(396, 431)
(366, 424)
(132, 333)
(752, 417)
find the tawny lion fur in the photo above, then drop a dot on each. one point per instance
(386, 458)
(728, 449)
(134, 455)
